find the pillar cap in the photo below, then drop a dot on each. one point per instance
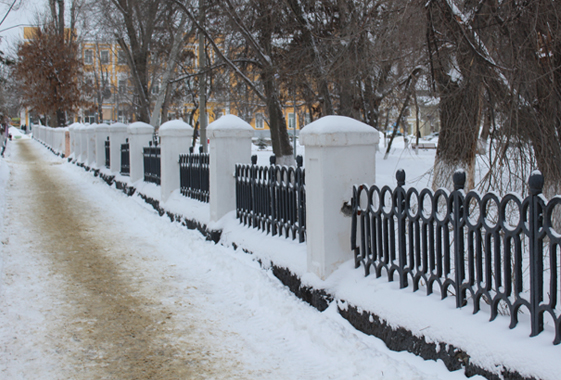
(230, 126)
(175, 128)
(140, 128)
(73, 126)
(338, 131)
(117, 128)
(102, 127)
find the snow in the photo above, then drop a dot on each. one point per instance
(271, 333)
(229, 121)
(174, 124)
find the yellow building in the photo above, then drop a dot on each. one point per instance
(107, 81)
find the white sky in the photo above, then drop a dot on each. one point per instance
(23, 14)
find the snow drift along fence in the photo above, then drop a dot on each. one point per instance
(272, 198)
(194, 175)
(152, 162)
(125, 159)
(497, 253)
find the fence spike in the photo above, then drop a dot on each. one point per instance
(459, 179)
(535, 182)
(400, 176)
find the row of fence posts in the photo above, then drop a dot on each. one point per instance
(340, 153)
(334, 146)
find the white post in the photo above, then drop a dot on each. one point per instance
(101, 135)
(340, 152)
(230, 144)
(72, 131)
(84, 144)
(140, 135)
(117, 136)
(91, 132)
(175, 140)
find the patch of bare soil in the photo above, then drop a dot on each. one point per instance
(111, 329)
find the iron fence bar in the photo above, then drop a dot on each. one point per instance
(125, 158)
(107, 153)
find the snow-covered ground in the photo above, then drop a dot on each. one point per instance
(246, 324)
(245, 316)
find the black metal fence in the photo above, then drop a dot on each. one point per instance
(272, 198)
(194, 175)
(125, 159)
(501, 254)
(152, 162)
(107, 153)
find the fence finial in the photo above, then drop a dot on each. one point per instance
(299, 161)
(253, 160)
(535, 182)
(273, 160)
(459, 179)
(400, 176)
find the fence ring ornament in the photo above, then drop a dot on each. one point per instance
(408, 200)
(441, 193)
(472, 223)
(426, 212)
(358, 191)
(387, 210)
(549, 217)
(484, 215)
(503, 214)
(374, 205)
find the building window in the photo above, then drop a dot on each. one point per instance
(122, 86)
(121, 58)
(307, 118)
(89, 117)
(259, 121)
(88, 56)
(155, 88)
(104, 57)
(291, 121)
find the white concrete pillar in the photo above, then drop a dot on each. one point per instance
(340, 152)
(72, 131)
(140, 135)
(230, 144)
(175, 136)
(117, 136)
(101, 135)
(84, 144)
(91, 132)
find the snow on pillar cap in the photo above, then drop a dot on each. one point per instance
(140, 128)
(230, 126)
(338, 131)
(102, 127)
(175, 128)
(118, 127)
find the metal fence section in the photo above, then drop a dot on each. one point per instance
(152, 162)
(498, 254)
(194, 175)
(125, 159)
(272, 198)
(107, 153)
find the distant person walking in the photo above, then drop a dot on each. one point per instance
(4, 128)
